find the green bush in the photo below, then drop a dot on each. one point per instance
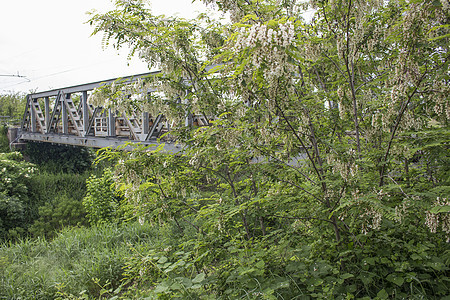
(48, 186)
(102, 203)
(135, 261)
(62, 212)
(15, 201)
(37, 202)
(57, 202)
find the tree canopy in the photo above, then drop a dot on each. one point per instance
(325, 138)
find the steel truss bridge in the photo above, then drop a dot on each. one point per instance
(66, 116)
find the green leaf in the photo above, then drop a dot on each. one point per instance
(159, 148)
(370, 260)
(346, 276)
(415, 256)
(260, 264)
(199, 278)
(382, 294)
(440, 209)
(351, 288)
(365, 278)
(161, 288)
(196, 286)
(439, 37)
(176, 286)
(162, 260)
(395, 278)
(438, 266)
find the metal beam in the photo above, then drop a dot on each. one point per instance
(33, 116)
(65, 119)
(91, 86)
(47, 111)
(111, 123)
(154, 126)
(94, 142)
(26, 114)
(85, 112)
(92, 120)
(145, 124)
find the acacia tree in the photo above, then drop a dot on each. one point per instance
(344, 90)
(338, 123)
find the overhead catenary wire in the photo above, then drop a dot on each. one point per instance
(18, 76)
(57, 73)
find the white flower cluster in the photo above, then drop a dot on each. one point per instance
(249, 37)
(265, 46)
(346, 168)
(103, 96)
(432, 220)
(441, 104)
(371, 214)
(410, 121)
(229, 6)
(401, 210)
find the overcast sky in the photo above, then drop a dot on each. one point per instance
(48, 42)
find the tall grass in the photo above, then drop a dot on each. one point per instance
(76, 260)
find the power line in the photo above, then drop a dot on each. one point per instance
(20, 76)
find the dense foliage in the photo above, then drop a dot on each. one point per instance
(37, 203)
(326, 139)
(60, 158)
(103, 203)
(4, 142)
(57, 199)
(40, 199)
(78, 261)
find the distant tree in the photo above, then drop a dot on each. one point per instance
(12, 105)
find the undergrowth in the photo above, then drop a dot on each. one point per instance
(135, 261)
(78, 260)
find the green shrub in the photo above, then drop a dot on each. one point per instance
(48, 186)
(12, 105)
(102, 202)
(62, 212)
(57, 202)
(38, 202)
(15, 201)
